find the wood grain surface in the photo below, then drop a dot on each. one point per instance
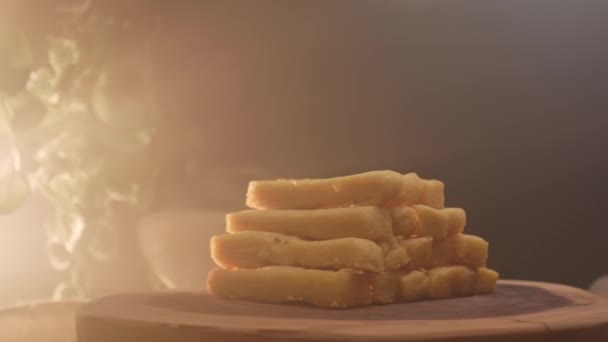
(518, 311)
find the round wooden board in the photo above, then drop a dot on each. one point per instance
(518, 311)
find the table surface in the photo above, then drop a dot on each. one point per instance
(517, 311)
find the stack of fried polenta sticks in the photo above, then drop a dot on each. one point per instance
(372, 238)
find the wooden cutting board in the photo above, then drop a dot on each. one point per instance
(518, 311)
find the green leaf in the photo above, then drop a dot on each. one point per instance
(62, 53)
(14, 189)
(26, 111)
(103, 244)
(67, 291)
(42, 85)
(59, 256)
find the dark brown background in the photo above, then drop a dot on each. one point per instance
(506, 101)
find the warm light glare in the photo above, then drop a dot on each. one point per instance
(22, 275)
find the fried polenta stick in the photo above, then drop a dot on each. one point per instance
(376, 188)
(422, 220)
(447, 282)
(259, 249)
(343, 289)
(279, 284)
(366, 222)
(460, 249)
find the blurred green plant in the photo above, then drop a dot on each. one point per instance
(82, 128)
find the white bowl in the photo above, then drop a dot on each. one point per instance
(176, 246)
(600, 286)
(39, 322)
